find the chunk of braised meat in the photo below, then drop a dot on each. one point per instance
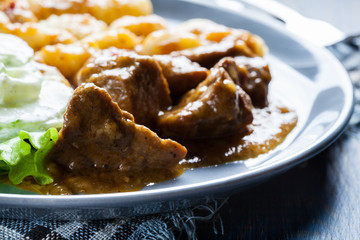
(135, 82)
(236, 44)
(216, 107)
(180, 73)
(252, 74)
(97, 134)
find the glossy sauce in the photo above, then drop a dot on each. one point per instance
(270, 127)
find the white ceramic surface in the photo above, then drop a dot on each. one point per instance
(307, 78)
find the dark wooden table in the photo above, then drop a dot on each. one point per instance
(319, 199)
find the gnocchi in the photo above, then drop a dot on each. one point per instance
(142, 25)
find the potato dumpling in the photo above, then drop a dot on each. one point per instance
(18, 11)
(142, 25)
(210, 32)
(68, 58)
(44, 8)
(200, 26)
(165, 42)
(4, 4)
(80, 25)
(119, 38)
(109, 10)
(35, 34)
(106, 10)
(249, 42)
(206, 30)
(4, 19)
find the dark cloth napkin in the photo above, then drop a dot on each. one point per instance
(174, 225)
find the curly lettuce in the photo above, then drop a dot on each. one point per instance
(24, 156)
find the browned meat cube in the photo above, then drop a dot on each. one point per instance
(97, 134)
(135, 82)
(180, 73)
(252, 74)
(237, 44)
(216, 107)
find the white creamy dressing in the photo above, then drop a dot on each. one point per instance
(29, 100)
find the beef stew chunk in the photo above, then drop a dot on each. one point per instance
(217, 107)
(253, 76)
(135, 82)
(97, 134)
(180, 73)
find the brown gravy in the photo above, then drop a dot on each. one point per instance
(270, 127)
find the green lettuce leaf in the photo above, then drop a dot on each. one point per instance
(24, 156)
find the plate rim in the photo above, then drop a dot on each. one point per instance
(130, 198)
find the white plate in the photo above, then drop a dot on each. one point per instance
(305, 77)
